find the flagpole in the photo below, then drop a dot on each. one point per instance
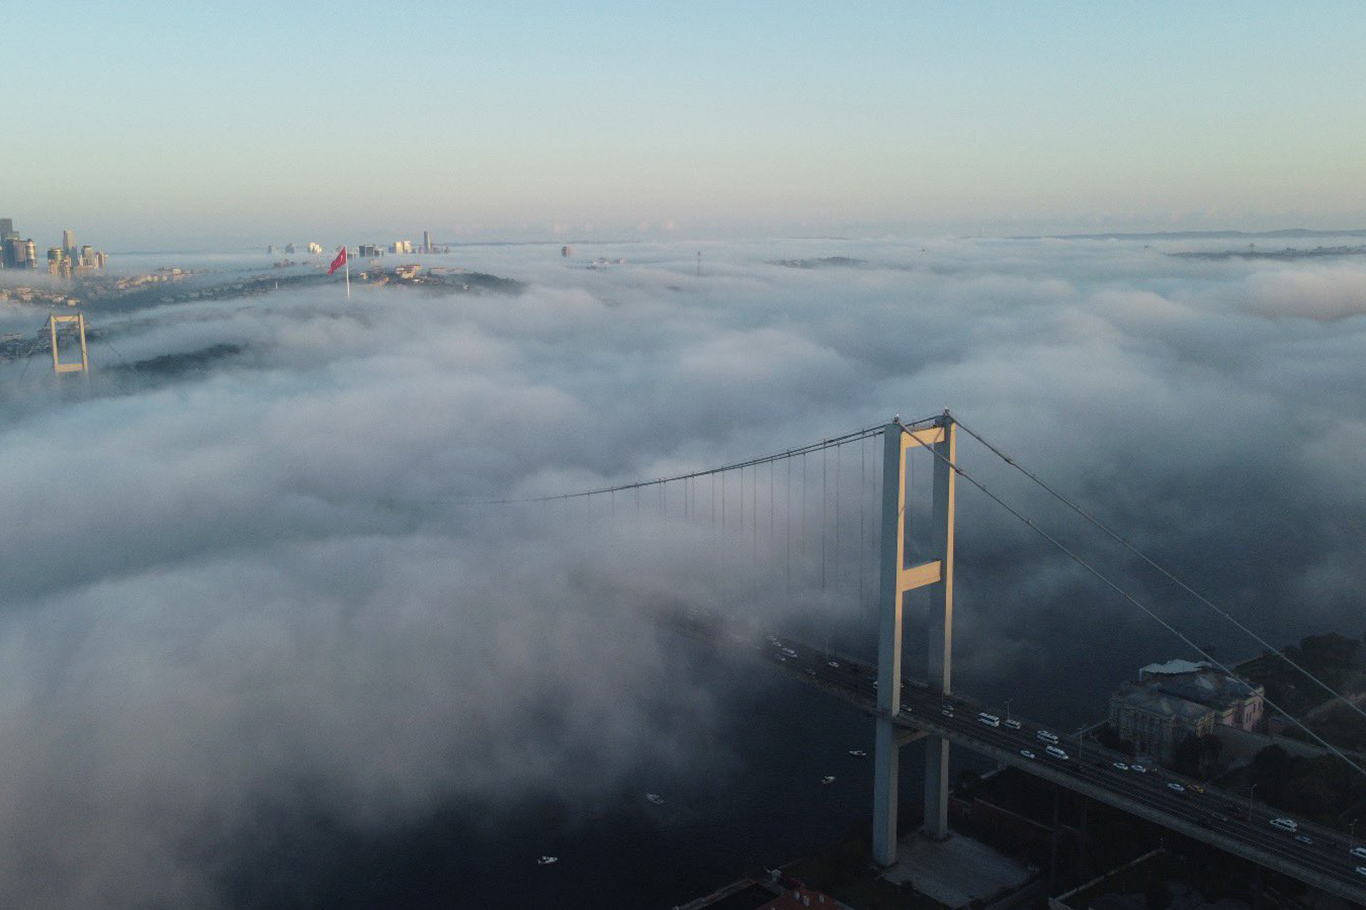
(348, 275)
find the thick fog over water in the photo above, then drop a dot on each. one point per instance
(266, 584)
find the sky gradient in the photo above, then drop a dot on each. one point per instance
(156, 124)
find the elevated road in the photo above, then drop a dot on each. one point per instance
(1309, 853)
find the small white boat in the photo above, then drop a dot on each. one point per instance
(828, 779)
(655, 798)
(547, 860)
(858, 753)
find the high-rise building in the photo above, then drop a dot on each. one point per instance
(7, 233)
(315, 248)
(289, 248)
(87, 255)
(29, 260)
(69, 244)
(426, 242)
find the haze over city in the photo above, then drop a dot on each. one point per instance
(347, 296)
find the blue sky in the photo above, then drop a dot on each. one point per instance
(152, 122)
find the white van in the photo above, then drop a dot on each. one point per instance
(1056, 753)
(1285, 824)
(991, 720)
(1046, 737)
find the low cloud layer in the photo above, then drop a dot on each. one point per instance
(260, 581)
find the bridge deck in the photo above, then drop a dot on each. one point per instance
(1320, 857)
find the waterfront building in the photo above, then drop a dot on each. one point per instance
(1181, 698)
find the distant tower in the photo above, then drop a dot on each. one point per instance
(566, 251)
(426, 242)
(699, 263)
(57, 365)
(69, 244)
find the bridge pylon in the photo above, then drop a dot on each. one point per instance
(895, 580)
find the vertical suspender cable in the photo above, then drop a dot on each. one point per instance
(787, 523)
(825, 458)
(837, 513)
(801, 539)
(862, 494)
(742, 503)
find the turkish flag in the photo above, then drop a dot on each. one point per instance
(338, 262)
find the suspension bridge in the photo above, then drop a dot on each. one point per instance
(855, 524)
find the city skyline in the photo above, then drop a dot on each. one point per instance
(533, 121)
(21, 253)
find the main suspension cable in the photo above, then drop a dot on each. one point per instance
(1161, 569)
(1133, 600)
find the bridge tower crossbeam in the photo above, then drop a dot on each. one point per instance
(896, 579)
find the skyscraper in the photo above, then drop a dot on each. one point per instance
(8, 256)
(426, 242)
(69, 244)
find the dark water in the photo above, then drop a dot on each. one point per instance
(765, 806)
(758, 802)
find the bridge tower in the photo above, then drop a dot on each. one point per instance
(57, 366)
(896, 579)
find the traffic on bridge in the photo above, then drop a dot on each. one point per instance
(1310, 853)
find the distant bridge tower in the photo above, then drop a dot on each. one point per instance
(57, 365)
(896, 579)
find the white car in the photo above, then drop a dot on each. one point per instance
(1027, 754)
(1285, 824)
(1173, 785)
(1120, 766)
(947, 711)
(1305, 839)
(789, 652)
(833, 663)
(1358, 852)
(1056, 753)
(1139, 768)
(1361, 870)
(1012, 725)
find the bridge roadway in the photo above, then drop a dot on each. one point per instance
(1315, 855)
